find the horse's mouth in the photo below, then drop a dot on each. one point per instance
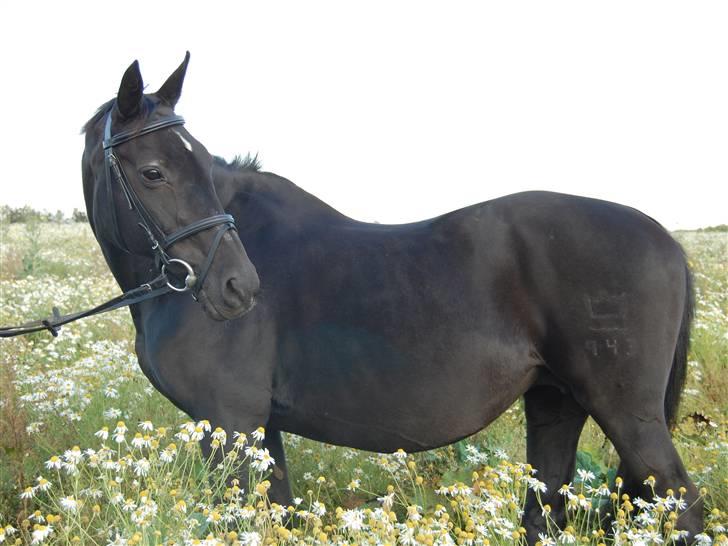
(222, 313)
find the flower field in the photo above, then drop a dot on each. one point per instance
(90, 453)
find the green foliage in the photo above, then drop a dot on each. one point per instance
(79, 216)
(17, 215)
(31, 256)
(722, 228)
(24, 214)
(588, 464)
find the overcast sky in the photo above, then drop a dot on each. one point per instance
(393, 111)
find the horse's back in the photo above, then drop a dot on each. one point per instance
(577, 242)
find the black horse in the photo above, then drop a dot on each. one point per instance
(382, 337)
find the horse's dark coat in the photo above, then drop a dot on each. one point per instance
(412, 336)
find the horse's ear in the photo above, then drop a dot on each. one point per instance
(172, 88)
(131, 91)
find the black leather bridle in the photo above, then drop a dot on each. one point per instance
(160, 241)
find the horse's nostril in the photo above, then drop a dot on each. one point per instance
(234, 294)
(232, 289)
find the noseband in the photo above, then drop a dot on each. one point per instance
(160, 241)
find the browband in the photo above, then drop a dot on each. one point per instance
(124, 136)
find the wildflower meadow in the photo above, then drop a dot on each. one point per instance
(90, 453)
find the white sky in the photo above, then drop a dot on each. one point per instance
(393, 111)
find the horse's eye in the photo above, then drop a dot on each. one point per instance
(152, 174)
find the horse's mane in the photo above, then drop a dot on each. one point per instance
(238, 163)
(100, 113)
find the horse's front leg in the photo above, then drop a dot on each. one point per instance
(215, 453)
(224, 374)
(242, 409)
(280, 487)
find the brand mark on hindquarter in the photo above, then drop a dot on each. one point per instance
(607, 320)
(607, 311)
(609, 347)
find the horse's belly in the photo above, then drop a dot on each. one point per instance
(381, 397)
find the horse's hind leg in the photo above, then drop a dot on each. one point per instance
(553, 422)
(632, 485)
(626, 396)
(638, 431)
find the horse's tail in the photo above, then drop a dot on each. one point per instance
(680, 359)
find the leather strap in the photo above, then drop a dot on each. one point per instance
(196, 227)
(154, 289)
(210, 256)
(124, 136)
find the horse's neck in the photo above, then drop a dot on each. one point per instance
(129, 270)
(259, 199)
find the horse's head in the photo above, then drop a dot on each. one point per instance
(149, 187)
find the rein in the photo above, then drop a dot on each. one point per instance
(160, 241)
(153, 289)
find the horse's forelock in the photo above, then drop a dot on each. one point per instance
(148, 107)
